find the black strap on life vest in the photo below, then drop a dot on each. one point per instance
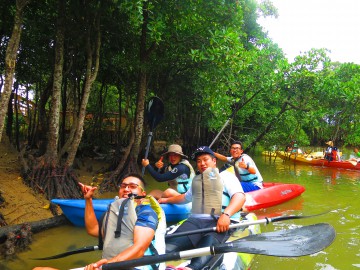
(120, 216)
(212, 214)
(121, 213)
(236, 170)
(184, 183)
(100, 238)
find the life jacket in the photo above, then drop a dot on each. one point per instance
(334, 154)
(208, 194)
(179, 183)
(245, 175)
(117, 229)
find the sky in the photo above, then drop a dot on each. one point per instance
(306, 24)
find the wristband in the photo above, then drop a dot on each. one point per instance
(226, 214)
(247, 166)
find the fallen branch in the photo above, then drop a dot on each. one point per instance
(36, 226)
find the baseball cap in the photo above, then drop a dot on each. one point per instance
(202, 150)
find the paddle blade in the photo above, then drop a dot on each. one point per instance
(287, 243)
(154, 112)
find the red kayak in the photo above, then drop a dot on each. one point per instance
(272, 194)
(342, 164)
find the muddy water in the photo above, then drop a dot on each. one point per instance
(336, 191)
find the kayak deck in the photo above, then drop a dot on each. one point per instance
(272, 194)
(74, 210)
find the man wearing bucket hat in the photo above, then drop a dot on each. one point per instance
(216, 199)
(179, 173)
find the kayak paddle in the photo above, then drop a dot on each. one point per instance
(238, 225)
(265, 220)
(154, 114)
(236, 109)
(297, 242)
(68, 253)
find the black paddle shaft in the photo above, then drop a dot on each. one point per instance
(68, 253)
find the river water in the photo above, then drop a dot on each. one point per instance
(333, 190)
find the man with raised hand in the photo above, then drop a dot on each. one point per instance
(244, 166)
(129, 225)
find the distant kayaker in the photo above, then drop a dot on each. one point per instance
(216, 199)
(245, 168)
(331, 152)
(139, 221)
(179, 173)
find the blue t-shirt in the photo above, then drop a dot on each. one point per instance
(146, 216)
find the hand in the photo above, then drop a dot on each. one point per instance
(88, 191)
(97, 265)
(145, 162)
(160, 163)
(162, 200)
(223, 223)
(243, 165)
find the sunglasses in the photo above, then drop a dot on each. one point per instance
(131, 186)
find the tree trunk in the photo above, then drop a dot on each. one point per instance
(142, 84)
(132, 150)
(53, 133)
(139, 119)
(10, 60)
(91, 73)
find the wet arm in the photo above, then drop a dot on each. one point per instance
(236, 203)
(220, 157)
(179, 199)
(91, 223)
(142, 239)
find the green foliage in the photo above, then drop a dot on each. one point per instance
(267, 8)
(203, 58)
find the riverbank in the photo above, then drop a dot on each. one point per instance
(22, 204)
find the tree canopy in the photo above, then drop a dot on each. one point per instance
(76, 75)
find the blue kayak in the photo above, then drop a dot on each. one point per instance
(74, 210)
(272, 194)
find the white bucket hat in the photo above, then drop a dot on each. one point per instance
(175, 148)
